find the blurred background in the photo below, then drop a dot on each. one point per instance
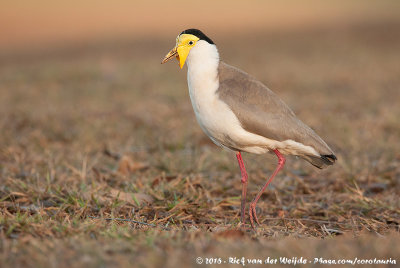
(26, 24)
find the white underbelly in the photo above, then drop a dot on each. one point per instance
(211, 119)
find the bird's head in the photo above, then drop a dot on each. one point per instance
(185, 41)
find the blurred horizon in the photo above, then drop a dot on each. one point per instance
(26, 25)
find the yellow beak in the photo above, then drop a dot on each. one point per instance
(170, 55)
(180, 51)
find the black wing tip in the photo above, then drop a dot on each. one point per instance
(327, 160)
(331, 158)
(322, 161)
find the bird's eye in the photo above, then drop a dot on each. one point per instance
(191, 43)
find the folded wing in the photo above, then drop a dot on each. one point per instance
(262, 112)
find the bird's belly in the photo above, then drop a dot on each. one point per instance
(209, 112)
(212, 122)
(219, 122)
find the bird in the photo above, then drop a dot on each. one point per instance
(239, 113)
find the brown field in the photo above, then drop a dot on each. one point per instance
(100, 131)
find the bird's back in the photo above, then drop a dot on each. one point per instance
(262, 112)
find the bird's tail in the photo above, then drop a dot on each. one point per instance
(321, 161)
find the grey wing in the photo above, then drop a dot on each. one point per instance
(262, 112)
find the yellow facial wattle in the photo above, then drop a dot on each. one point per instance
(184, 43)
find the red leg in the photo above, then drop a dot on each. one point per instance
(252, 210)
(244, 186)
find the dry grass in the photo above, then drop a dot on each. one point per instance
(107, 132)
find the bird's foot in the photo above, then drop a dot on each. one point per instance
(253, 215)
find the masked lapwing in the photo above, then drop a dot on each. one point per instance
(241, 114)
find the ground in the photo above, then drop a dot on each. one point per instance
(103, 132)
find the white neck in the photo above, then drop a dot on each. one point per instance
(202, 61)
(203, 82)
